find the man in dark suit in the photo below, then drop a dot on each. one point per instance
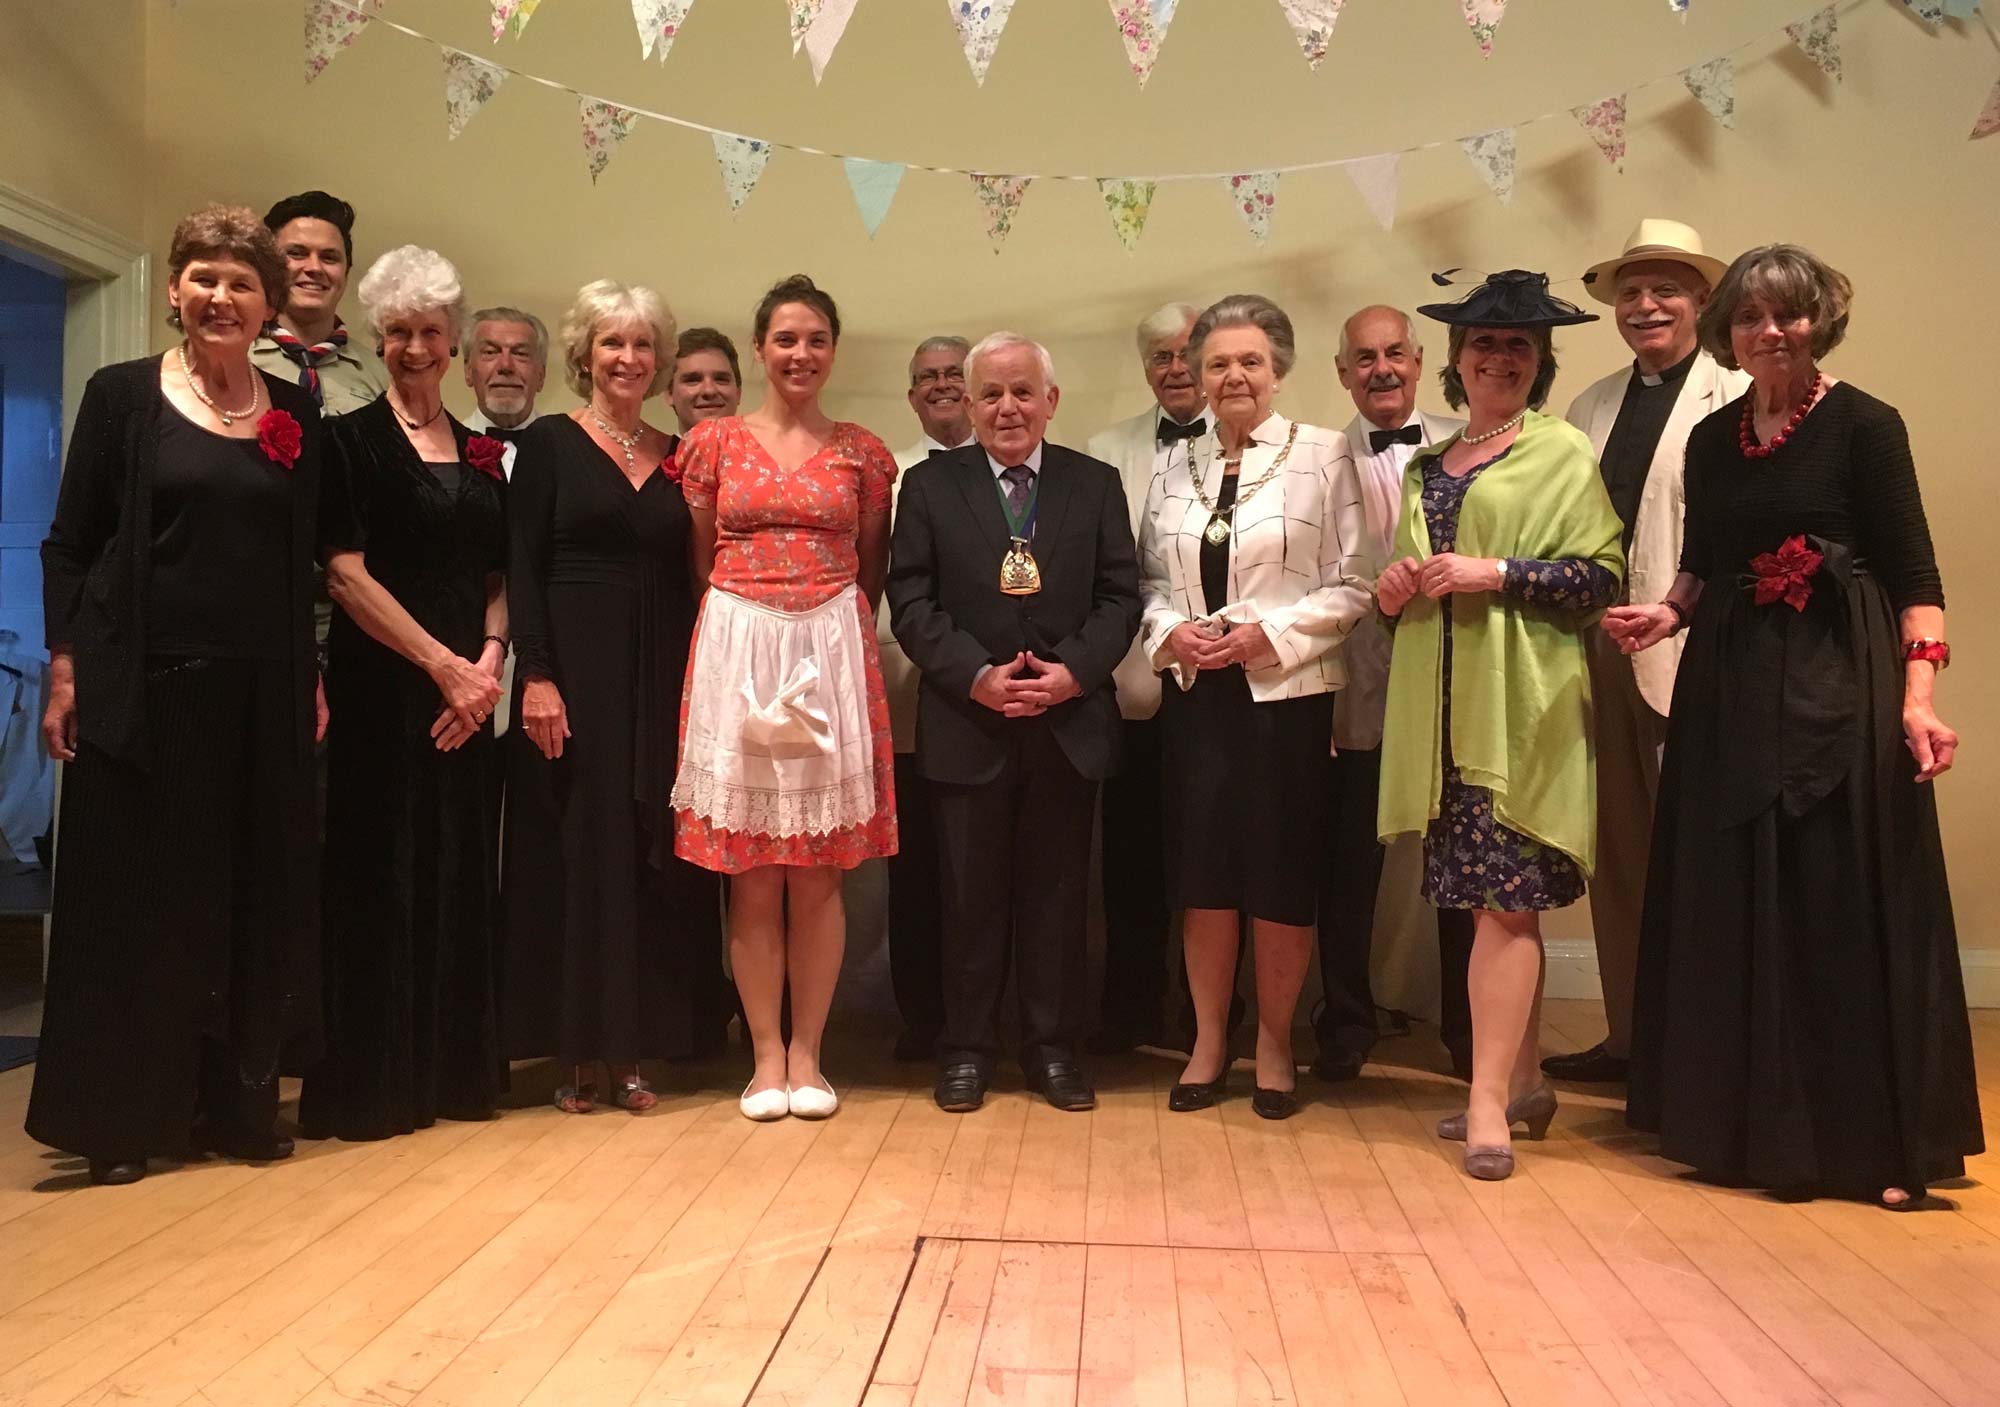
(1014, 589)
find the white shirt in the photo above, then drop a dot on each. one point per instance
(478, 423)
(923, 449)
(1033, 461)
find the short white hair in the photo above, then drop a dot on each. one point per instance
(1346, 349)
(413, 279)
(1000, 341)
(506, 313)
(601, 301)
(1170, 320)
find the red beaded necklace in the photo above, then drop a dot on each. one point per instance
(1746, 433)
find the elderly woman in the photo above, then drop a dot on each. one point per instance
(177, 583)
(787, 764)
(413, 530)
(609, 934)
(1507, 548)
(1250, 545)
(1801, 1021)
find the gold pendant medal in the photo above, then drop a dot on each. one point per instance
(1217, 530)
(1019, 575)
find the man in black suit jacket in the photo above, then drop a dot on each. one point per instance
(1017, 722)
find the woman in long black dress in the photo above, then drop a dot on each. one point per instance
(177, 582)
(413, 528)
(1800, 1019)
(611, 937)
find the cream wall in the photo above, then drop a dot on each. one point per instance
(1874, 173)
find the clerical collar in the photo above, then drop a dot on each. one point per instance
(1671, 374)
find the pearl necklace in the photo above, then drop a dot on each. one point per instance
(1496, 432)
(625, 442)
(229, 417)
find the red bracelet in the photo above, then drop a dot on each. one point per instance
(1937, 652)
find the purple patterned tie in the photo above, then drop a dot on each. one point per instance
(1020, 478)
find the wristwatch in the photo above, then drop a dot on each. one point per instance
(1501, 562)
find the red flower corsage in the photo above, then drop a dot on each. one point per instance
(485, 454)
(670, 465)
(1786, 575)
(280, 437)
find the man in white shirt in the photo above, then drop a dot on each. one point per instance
(1381, 363)
(506, 361)
(1132, 817)
(1638, 419)
(937, 395)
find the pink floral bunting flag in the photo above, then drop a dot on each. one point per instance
(1818, 37)
(1255, 196)
(1312, 25)
(741, 161)
(1714, 85)
(605, 127)
(1129, 202)
(1493, 153)
(1377, 178)
(1989, 116)
(1484, 17)
(824, 35)
(1142, 24)
(659, 23)
(1605, 121)
(999, 197)
(511, 17)
(979, 23)
(330, 28)
(469, 85)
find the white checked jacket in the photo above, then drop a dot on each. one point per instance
(1298, 556)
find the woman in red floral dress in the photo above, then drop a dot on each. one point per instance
(786, 763)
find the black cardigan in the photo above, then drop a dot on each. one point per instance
(97, 558)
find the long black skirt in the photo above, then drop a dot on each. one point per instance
(1247, 787)
(1800, 1017)
(185, 925)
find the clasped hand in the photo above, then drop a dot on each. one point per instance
(1242, 643)
(1637, 628)
(470, 688)
(1441, 574)
(1025, 686)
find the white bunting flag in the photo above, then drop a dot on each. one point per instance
(1312, 25)
(874, 185)
(469, 85)
(1377, 178)
(741, 161)
(825, 34)
(999, 197)
(1714, 84)
(1493, 153)
(605, 128)
(979, 23)
(1605, 121)
(1255, 196)
(1818, 37)
(330, 29)
(1931, 12)
(1129, 202)
(659, 23)
(1142, 24)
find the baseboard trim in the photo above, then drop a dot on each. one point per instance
(1572, 973)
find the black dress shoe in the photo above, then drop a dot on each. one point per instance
(248, 1145)
(1274, 1103)
(916, 1045)
(961, 1087)
(1335, 1065)
(1186, 1097)
(106, 1173)
(1063, 1085)
(1596, 1066)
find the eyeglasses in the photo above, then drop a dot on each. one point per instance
(1161, 361)
(953, 374)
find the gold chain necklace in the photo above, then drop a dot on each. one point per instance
(1220, 518)
(625, 442)
(229, 417)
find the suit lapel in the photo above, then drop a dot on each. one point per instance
(1053, 494)
(975, 481)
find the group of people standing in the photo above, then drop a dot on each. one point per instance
(766, 649)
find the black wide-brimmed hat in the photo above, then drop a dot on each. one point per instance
(1510, 298)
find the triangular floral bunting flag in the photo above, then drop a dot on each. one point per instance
(1129, 202)
(1484, 17)
(1312, 25)
(1142, 24)
(511, 17)
(1931, 12)
(1255, 196)
(1605, 121)
(659, 23)
(999, 197)
(1714, 84)
(979, 23)
(1377, 179)
(741, 161)
(469, 85)
(803, 13)
(330, 29)
(605, 127)
(1989, 116)
(1818, 36)
(874, 185)
(1493, 153)
(824, 35)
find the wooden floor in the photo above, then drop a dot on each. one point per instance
(896, 1256)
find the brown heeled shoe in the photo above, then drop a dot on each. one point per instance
(1536, 1109)
(1489, 1164)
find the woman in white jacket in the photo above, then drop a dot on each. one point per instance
(1252, 548)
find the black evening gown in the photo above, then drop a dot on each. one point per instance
(612, 939)
(1800, 1017)
(412, 834)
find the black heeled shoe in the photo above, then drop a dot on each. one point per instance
(1188, 1096)
(106, 1173)
(1274, 1103)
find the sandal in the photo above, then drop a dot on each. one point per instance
(634, 1094)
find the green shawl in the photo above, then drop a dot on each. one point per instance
(1520, 681)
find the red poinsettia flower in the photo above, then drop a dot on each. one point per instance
(280, 437)
(485, 453)
(1786, 575)
(670, 465)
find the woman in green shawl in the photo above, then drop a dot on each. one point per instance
(1507, 550)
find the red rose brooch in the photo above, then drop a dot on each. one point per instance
(1786, 575)
(279, 436)
(670, 465)
(485, 454)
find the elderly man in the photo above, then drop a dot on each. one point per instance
(1638, 419)
(307, 342)
(1381, 364)
(506, 360)
(1014, 588)
(708, 379)
(1134, 852)
(937, 395)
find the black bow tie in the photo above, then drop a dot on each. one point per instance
(1379, 440)
(501, 433)
(1171, 429)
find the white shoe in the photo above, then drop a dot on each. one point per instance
(814, 1101)
(765, 1105)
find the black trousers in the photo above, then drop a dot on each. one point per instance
(1132, 846)
(1348, 883)
(916, 909)
(1014, 872)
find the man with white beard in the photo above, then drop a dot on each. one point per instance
(506, 360)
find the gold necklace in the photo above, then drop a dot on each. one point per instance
(1220, 518)
(229, 417)
(625, 442)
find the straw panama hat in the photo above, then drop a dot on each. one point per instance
(1654, 239)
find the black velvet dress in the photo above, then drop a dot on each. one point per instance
(612, 940)
(1800, 1017)
(412, 833)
